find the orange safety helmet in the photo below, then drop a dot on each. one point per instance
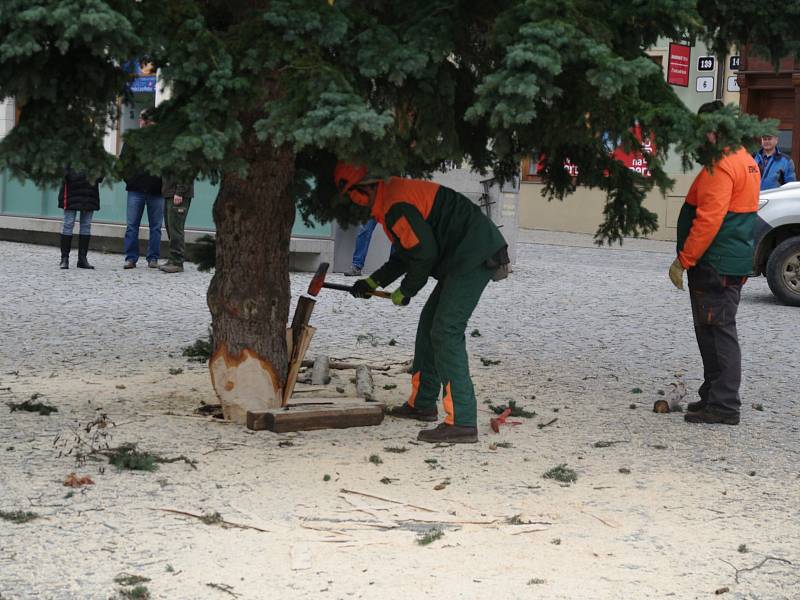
(346, 177)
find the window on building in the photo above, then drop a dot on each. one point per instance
(785, 140)
(658, 56)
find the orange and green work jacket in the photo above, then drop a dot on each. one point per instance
(715, 225)
(435, 230)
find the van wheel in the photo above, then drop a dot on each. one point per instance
(783, 271)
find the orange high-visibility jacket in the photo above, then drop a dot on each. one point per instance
(435, 231)
(716, 221)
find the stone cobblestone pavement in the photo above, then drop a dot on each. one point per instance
(584, 335)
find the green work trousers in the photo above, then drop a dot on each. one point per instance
(440, 352)
(175, 221)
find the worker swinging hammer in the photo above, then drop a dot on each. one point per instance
(438, 233)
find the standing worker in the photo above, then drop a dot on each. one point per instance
(715, 244)
(436, 232)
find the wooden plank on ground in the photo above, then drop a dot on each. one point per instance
(299, 417)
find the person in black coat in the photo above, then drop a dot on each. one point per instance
(77, 195)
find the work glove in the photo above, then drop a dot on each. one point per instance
(676, 273)
(399, 298)
(363, 287)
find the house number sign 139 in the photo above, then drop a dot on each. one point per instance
(705, 63)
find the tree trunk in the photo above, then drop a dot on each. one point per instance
(249, 293)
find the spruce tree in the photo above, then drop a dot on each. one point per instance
(268, 94)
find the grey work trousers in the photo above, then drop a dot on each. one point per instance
(715, 300)
(175, 222)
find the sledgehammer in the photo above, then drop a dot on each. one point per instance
(318, 282)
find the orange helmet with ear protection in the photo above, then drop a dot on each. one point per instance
(346, 177)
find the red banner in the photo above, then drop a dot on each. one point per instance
(680, 56)
(634, 160)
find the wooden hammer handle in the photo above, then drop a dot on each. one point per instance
(381, 294)
(349, 288)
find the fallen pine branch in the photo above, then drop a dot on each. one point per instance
(206, 519)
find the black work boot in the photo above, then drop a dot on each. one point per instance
(696, 406)
(83, 248)
(451, 434)
(711, 417)
(66, 244)
(406, 411)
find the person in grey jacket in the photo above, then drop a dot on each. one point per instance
(177, 199)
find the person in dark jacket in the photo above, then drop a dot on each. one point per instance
(77, 195)
(177, 199)
(144, 191)
(776, 167)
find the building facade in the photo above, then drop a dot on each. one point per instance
(697, 77)
(776, 95)
(30, 213)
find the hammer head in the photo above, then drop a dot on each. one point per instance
(319, 278)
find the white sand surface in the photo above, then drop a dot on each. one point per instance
(575, 329)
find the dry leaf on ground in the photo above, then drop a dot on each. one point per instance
(74, 481)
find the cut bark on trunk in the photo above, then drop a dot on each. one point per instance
(249, 293)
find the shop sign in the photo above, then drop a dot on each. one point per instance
(678, 65)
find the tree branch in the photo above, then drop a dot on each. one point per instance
(758, 566)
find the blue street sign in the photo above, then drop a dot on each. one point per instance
(146, 84)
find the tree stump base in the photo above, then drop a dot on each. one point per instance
(321, 413)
